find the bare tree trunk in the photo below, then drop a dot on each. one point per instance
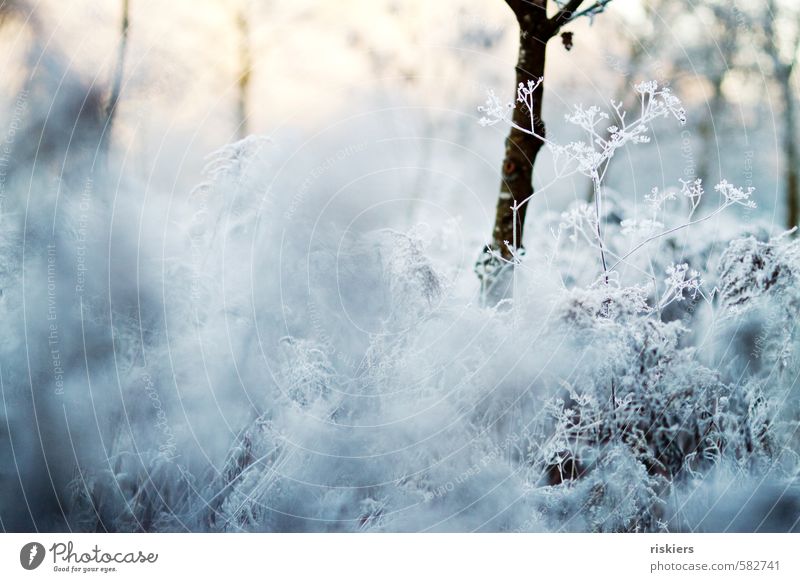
(783, 73)
(791, 154)
(245, 67)
(709, 140)
(116, 86)
(521, 148)
(726, 48)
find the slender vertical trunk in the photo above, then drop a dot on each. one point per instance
(726, 48)
(783, 74)
(116, 85)
(709, 139)
(243, 82)
(525, 140)
(521, 148)
(791, 154)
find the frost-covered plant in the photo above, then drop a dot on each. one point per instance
(693, 191)
(135, 492)
(238, 498)
(606, 133)
(618, 495)
(308, 374)
(749, 268)
(231, 161)
(648, 398)
(680, 279)
(409, 273)
(758, 280)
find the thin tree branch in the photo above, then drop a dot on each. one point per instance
(596, 8)
(570, 12)
(565, 14)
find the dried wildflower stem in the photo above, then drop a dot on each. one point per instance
(598, 208)
(669, 231)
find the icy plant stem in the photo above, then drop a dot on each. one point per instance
(614, 407)
(597, 208)
(668, 232)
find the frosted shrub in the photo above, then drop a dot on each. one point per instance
(239, 497)
(307, 373)
(675, 418)
(145, 492)
(414, 283)
(758, 283)
(618, 495)
(750, 268)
